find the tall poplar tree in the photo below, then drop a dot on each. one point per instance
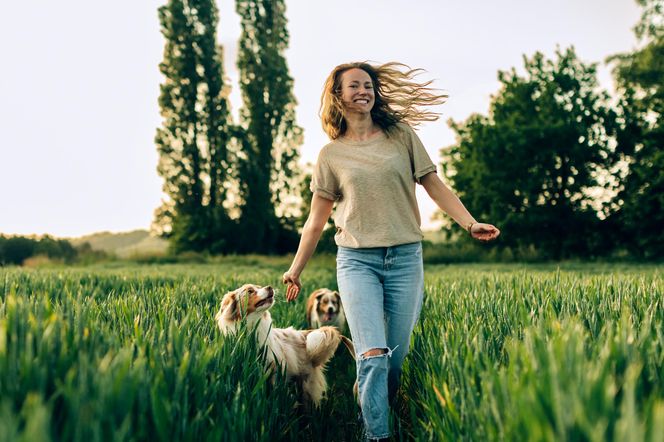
(268, 164)
(194, 160)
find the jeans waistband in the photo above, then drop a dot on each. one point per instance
(378, 250)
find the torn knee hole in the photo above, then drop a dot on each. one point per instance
(374, 353)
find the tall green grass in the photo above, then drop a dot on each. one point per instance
(134, 354)
(539, 355)
(130, 352)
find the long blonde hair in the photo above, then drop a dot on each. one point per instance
(399, 98)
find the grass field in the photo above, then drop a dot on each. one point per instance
(504, 352)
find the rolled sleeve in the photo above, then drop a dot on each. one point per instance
(324, 181)
(422, 164)
(422, 173)
(324, 193)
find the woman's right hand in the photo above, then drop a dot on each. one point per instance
(292, 280)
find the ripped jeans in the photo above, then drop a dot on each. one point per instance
(381, 291)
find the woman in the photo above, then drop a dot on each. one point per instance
(370, 168)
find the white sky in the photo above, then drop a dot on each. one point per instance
(79, 85)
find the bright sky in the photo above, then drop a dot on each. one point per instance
(80, 82)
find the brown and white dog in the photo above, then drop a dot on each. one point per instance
(301, 353)
(324, 308)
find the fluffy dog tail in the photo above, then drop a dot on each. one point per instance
(349, 345)
(321, 345)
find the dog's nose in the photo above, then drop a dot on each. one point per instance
(270, 290)
(330, 310)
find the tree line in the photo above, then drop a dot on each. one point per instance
(16, 250)
(561, 166)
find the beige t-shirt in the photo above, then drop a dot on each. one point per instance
(373, 183)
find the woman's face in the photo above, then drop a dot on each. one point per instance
(357, 91)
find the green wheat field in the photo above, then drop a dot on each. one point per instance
(501, 353)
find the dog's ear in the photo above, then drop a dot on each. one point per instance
(229, 306)
(336, 293)
(319, 294)
(309, 309)
(341, 305)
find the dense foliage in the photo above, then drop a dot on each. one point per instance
(17, 249)
(225, 181)
(529, 167)
(562, 169)
(194, 157)
(640, 76)
(268, 164)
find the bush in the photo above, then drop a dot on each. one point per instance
(41, 261)
(464, 251)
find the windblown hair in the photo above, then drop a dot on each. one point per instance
(398, 97)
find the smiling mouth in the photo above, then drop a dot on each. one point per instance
(329, 316)
(269, 299)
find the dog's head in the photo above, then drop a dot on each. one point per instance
(327, 304)
(248, 301)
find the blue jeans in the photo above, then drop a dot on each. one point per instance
(381, 290)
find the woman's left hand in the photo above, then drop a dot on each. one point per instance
(484, 232)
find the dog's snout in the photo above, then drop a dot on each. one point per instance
(330, 309)
(270, 290)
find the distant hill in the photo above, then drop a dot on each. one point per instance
(141, 242)
(124, 244)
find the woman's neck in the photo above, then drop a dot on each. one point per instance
(360, 127)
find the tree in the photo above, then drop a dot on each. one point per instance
(268, 162)
(55, 248)
(528, 166)
(194, 157)
(16, 249)
(640, 79)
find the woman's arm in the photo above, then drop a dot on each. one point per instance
(320, 212)
(452, 205)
